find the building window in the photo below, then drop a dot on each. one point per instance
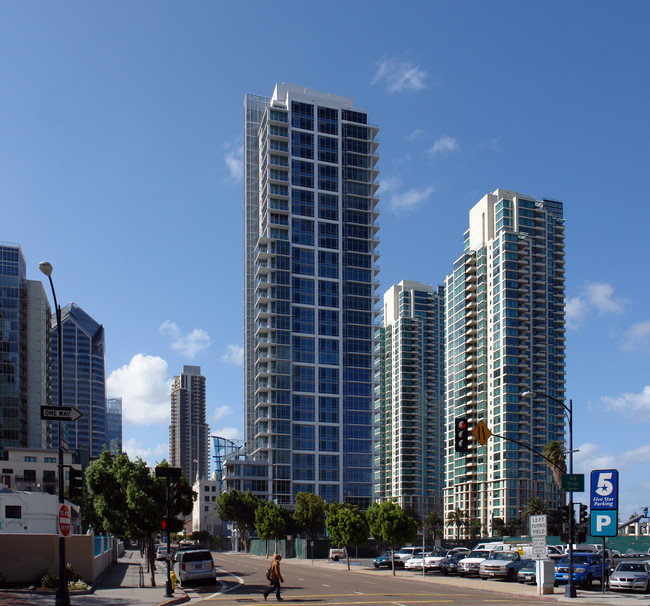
(30, 459)
(50, 460)
(13, 512)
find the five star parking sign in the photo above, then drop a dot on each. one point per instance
(604, 503)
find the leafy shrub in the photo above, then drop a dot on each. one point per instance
(77, 585)
(50, 581)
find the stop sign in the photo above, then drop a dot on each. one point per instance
(64, 520)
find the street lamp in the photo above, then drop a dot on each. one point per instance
(62, 594)
(570, 591)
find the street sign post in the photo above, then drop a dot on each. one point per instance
(60, 413)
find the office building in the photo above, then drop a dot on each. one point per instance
(188, 431)
(24, 354)
(505, 335)
(311, 277)
(409, 404)
(84, 381)
(114, 425)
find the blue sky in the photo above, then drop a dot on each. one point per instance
(121, 133)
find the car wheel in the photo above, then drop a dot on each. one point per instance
(647, 586)
(587, 583)
(511, 575)
(461, 574)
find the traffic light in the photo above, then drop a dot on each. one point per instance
(567, 513)
(583, 513)
(76, 482)
(164, 524)
(461, 433)
(176, 495)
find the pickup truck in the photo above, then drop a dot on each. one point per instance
(502, 565)
(587, 567)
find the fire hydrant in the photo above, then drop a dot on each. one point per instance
(172, 578)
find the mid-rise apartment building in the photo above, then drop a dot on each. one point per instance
(505, 335)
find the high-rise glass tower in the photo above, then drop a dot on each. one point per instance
(311, 276)
(188, 431)
(409, 405)
(84, 380)
(114, 425)
(505, 335)
(24, 354)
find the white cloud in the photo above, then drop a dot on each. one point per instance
(637, 336)
(416, 134)
(190, 344)
(408, 200)
(594, 296)
(589, 456)
(221, 412)
(635, 405)
(399, 76)
(145, 389)
(230, 433)
(135, 449)
(234, 355)
(235, 162)
(445, 145)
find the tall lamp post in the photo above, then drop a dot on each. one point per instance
(62, 594)
(570, 591)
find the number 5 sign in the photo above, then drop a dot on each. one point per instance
(604, 489)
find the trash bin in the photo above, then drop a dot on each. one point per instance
(545, 571)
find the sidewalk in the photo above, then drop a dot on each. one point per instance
(128, 582)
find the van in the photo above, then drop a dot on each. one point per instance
(491, 546)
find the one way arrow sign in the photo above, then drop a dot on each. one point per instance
(60, 413)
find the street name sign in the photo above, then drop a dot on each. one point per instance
(60, 413)
(573, 482)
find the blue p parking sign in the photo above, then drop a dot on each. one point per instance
(604, 523)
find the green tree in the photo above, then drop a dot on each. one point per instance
(131, 502)
(433, 523)
(269, 522)
(389, 524)
(535, 507)
(345, 526)
(457, 518)
(309, 513)
(498, 527)
(239, 508)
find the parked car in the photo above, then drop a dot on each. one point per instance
(449, 564)
(161, 552)
(528, 573)
(382, 560)
(470, 564)
(180, 549)
(587, 567)
(434, 558)
(403, 554)
(502, 565)
(195, 565)
(631, 575)
(423, 559)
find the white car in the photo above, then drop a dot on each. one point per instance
(433, 559)
(195, 565)
(472, 563)
(631, 575)
(161, 552)
(403, 554)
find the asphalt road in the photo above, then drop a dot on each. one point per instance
(242, 580)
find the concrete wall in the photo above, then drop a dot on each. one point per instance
(25, 558)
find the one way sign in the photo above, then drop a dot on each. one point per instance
(60, 413)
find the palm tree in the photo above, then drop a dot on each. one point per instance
(535, 507)
(555, 455)
(457, 518)
(433, 522)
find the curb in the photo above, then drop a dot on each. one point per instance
(181, 599)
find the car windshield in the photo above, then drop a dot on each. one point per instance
(577, 559)
(530, 565)
(437, 553)
(479, 554)
(502, 555)
(631, 567)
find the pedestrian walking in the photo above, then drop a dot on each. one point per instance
(275, 577)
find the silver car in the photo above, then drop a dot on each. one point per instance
(194, 566)
(631, 575)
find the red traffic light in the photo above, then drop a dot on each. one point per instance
(164, 524)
